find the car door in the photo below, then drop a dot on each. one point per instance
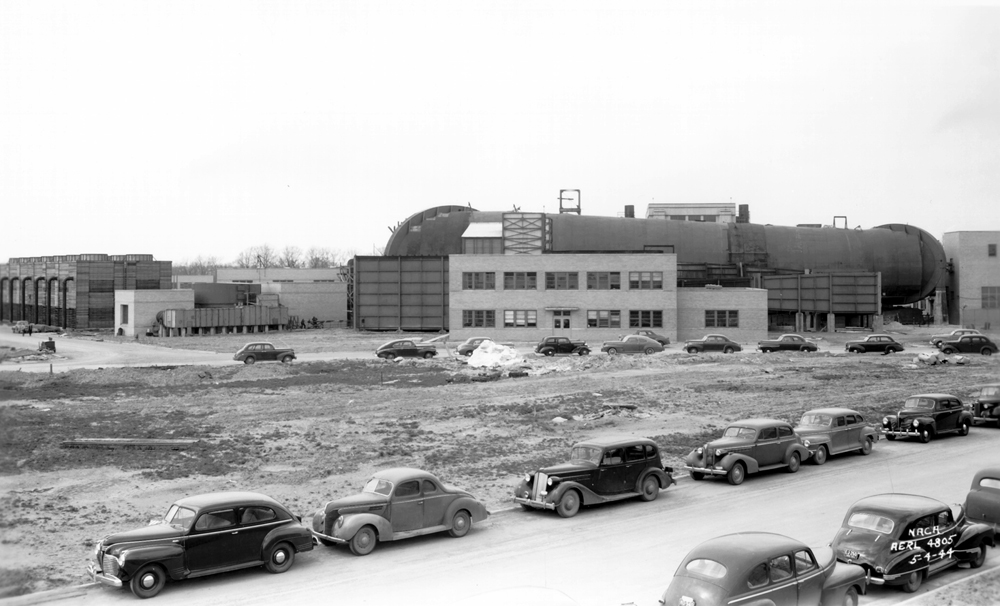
(407, 507)
(790, 343)
(255, 522)
(772, 582)
(635, 464)
(611, 475)
(633, 344)
(852, 433)
(839, 436)
(713, 344)
(213, 542)
(267, 352)
(767, 450)
(947, 413)
(436, 501)
(810, 584)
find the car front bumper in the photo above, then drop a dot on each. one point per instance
(709, 470)
(319, 535)
(100, 577)
(536, 504)
(901, 433)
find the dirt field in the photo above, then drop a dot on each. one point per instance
(308, 432)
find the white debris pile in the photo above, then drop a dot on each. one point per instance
(933, 359)
(491, 355)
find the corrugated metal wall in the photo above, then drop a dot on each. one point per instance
(401, 293)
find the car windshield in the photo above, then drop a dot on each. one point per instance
(919, 404)
(988, 392)
(377, 486)
(738, 432)
(181, 517)
(708, 568)
(871, 521)
(585, 453)
(817, 420)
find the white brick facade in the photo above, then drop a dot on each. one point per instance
(973, 269)
(751, 303)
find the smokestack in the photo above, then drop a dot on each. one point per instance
(629, 211)
(744, 216)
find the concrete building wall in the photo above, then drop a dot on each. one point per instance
(751, 303)
(278, 274)
(323, 301)
(141, 307)
(546, 303)
(973, 269)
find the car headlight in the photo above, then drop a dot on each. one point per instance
(916, 422)
(340, 522)
(718, 452)
(885, 420)
(805, 443)
(699, 450)
(549, 483)
(527, 477)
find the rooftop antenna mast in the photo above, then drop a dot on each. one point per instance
(563, 198)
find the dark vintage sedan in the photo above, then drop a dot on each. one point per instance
(600, 470)
(661, 339)
(969, 344)
(928, 415)
(405, 348)
(900, 539)
(264, 352)
(883, 344)
(748, 446)
(632, 344)
(787, 343)
(712, 343)
(986, 408)
(763, 568)
(827, 431)
(201, 535)
(395, 504)
(958, 332)
(470, 345)
(982, 504)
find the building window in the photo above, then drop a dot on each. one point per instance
(242, 281)
(991, 297)
(482, 246)
(518, 318)
(479, 280)
(478, 318)
(282, 280)
(722, 318)
(991, 250)
(560, 318)
(645, 280)
(520, 280)
(562, 280)
(124, 314)
(604, 318)
(604, 280)
(639, 318)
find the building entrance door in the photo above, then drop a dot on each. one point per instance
(561, 322)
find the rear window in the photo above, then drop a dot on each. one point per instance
(707, 568)
(871, 521)
(989, 483)
(989, 392)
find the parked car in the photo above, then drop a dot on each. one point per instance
(662, 340)
(928, 415)
(982, 504)
(200, 535)
(827, 431)
(469, 345)
(600, 470)
(763, 568)
(395, 504)
(958, 332)
(21, 326)
(632, 344)
(787, 343)
(712, 343)
(969, 344)
(748, 446)
(900, 539)
(874, 343)
(986, 408)
(550, 346)
(405, 348)
(263, 352)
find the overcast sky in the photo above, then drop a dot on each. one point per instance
(182, 129)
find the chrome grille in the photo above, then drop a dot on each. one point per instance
(110, 566)
(539, 487)
(709, 457)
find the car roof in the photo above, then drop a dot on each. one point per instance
(936, 396)
(833, 411)
(394, 341)
(258, 343)
(743, 550)
(606, 440)
(226, 499)
(791, 334)
(402, 474)
(989, 472)
(896, 505)
(758, 423)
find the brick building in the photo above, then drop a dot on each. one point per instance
(973, 289)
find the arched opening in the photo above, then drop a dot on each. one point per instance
(52, 301)
(26, 300)
(4, 299)
(67, 321)
(41, 301)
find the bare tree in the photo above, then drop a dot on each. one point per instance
(291, 256)
(199, 266)
(246, 259)
(318, 257)
(259, 257)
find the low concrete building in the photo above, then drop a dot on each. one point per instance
(326, 302)
(135, 310)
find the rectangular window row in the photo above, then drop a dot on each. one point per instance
(563, 280)
(722, 318)
(596, 318)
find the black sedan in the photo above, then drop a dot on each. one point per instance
(405, 348)
(787, 343)
(712, 343)
(969, 344)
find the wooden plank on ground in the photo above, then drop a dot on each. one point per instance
(129, 443)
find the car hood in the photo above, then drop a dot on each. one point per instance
(146, 533)
(357, 500)
(729, 443)
(563, 469)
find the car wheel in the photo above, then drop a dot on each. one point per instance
(692, 350)
(549, 352)
(385, 355)
(913, 581)
(280, 559)
(794, 462)
(286, 359)
(650, 351)
(728, 350)
(148, 581)
(460, 524)
(891, 350)
(963, 430)
(584, 351)
(979, 559)
(650, 488)
(364, 541)
(948, 350)
(569, 504)
(249, 360)
(866, 448)
(854, 350)
(612, 351)
(925, 435)
(428, 355)
(737, 474)
(987, 351)
(890, 437)
(468, 354)
(851, 597)
(806, 349)
(697, 476)
(819, 457)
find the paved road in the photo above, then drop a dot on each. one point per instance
(623, 553)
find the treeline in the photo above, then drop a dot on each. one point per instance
(264, 256)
